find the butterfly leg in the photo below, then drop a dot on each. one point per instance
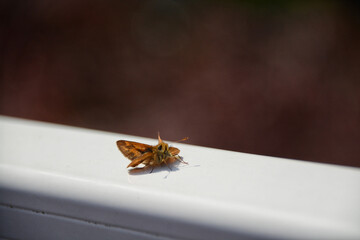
(168, 166)
(180, 159)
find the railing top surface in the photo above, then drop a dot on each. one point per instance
(229, 190)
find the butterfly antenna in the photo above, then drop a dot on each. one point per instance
(159, 137)
(184, 139)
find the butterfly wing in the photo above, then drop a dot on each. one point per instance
(133, 150)
(145, 158)
(174, 151)
(175, 157)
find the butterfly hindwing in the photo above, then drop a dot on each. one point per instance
(146, 157)
(174, 151)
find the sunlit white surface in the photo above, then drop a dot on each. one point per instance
(64, 182)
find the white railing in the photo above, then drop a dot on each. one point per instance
(60, 182)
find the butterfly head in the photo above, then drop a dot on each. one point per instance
(162, 150)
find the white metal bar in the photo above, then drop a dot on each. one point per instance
(64, 182)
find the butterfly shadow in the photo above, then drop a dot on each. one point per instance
(152, 170)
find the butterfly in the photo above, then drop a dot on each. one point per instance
(153, 156)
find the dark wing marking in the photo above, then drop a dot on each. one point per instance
(133, 150)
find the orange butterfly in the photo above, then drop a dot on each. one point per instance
(148, 155)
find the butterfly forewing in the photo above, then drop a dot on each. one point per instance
(133, 150)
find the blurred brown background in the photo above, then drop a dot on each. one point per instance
(279, 78)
